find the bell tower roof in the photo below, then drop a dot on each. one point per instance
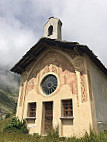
(52, 29)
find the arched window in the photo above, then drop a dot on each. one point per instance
(50, 30)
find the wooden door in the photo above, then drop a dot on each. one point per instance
(48, 117)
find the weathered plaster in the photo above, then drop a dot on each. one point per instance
(69, 72)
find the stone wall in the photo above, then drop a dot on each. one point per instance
(99, 87)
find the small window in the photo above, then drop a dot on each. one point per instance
(50, 30)
(67, 108)
(32, 109)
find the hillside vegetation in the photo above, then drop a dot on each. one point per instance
(9, 84)
(7, 101)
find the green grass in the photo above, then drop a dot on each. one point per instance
(51, 137)
(16, 137)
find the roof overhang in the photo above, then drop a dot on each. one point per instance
(44, 43)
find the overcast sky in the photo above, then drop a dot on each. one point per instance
(22, 21)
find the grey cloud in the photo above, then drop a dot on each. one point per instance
(8, 80)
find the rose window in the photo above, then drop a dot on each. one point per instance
(49, 84)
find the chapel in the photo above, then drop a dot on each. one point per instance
(63, 85)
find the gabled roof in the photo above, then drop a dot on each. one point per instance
(43, 44)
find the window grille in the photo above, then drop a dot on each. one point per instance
(32, 110)
(67, 108)
(49, 84)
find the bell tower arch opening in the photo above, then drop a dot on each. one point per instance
(50, 30)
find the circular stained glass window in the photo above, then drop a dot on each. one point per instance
(49, 84)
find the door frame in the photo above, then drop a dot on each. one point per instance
(43, 132)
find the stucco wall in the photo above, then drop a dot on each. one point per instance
(70, 70)
(99, 87)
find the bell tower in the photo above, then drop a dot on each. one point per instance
(52, 29)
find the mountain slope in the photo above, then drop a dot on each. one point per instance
(9, 84)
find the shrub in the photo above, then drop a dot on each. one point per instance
(7, 115)
(52, 136)
(14, 110)
(54, 133)
(36, 136)
(15, 125)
